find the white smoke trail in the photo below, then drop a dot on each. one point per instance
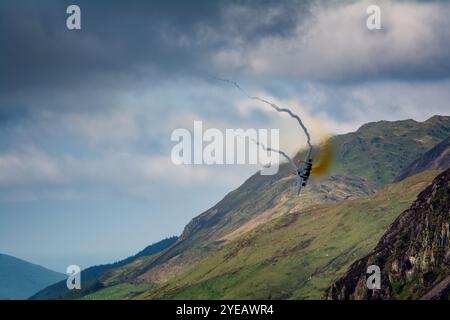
(274, 106)
(278, 151)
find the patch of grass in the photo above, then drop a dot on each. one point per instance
(398, 288)
(118, 292)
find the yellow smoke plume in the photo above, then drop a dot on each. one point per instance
(326, 157)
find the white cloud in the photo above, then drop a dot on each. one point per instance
(28, 166)
(115, 127)
(394, 100)
(32, 173)
(334, 44)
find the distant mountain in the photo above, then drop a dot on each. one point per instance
(413, 254)
(90, 276)
(436, 158)
(20, 279)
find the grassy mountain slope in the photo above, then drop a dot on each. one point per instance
(90, 277)
(360, 161)
(413, 254)
(378, 151)
(437, 157)
(20, 279)
(297, 255)
(124, 281)
(357, 172)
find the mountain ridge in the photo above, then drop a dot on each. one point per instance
(19, 279)
(437, 157)
(91, 275)
(379, 150)
(358, 172)
(420, 137)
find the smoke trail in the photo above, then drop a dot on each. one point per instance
(278, 151)
(274, 106)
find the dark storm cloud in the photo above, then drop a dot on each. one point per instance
(116, 36)
(120, 44)
(124, 45)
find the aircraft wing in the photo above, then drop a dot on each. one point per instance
(298, 184)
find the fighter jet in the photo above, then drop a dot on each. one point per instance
(303, 172)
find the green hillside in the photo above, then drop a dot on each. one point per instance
(437, 157)
(360, 157)
(20, 279)
(263, 222)
(122, 291)
(298, 255)
(378, 151)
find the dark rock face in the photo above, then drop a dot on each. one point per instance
(413, 254)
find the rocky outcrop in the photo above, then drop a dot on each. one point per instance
(413, 255)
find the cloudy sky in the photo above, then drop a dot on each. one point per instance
(86, 115)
